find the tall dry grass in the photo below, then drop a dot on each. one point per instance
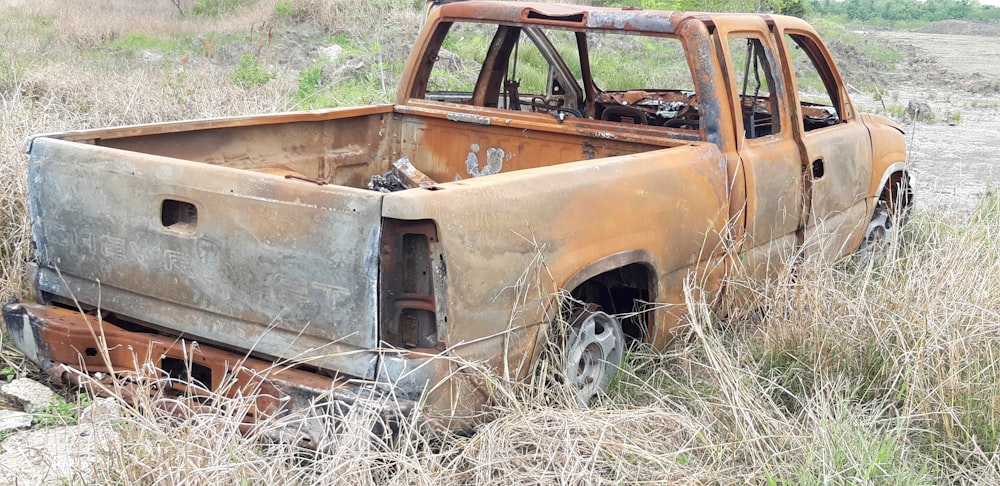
(58, 73)
(85, 24)
(880, 370)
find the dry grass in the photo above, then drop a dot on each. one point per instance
(875, 371)
(57, 72)
(880, 370)
(85, 24)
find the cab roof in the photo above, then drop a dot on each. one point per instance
(584, 17)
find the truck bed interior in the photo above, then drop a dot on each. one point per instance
(349, 151)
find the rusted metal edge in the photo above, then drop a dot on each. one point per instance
(661, 136)
(82, 350)
(209, 123)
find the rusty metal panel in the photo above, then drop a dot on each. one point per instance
(888, 150)
(251, 261)
(840, 171)
(513, 239)
(168, 128)
(339, 146)
(68, 344)
(446, 153)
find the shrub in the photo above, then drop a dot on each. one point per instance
(249, 73)
(216, 8)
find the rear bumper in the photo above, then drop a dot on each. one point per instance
(81, 349)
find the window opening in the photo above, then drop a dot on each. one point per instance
(817, 100)
(755, 82)
(607, 76)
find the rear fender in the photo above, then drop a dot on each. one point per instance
(611, 262)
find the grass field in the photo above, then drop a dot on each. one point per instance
(881, 370)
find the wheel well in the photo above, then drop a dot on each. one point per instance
(622, 291)
(897, 191)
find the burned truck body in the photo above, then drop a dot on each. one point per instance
(541, 162)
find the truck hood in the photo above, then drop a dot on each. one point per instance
(871, 119)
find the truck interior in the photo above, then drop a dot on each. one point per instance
(611, 77)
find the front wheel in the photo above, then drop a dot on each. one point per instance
(891, 211)
(879, 232)
(596, 348)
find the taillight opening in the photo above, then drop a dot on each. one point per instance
(408, 270)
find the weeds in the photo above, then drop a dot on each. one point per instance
(896, 111)
(310, 93)
(8, 373)
(62, 412)
(284, 10)
(249, 73)
(217, 8)
(871, 372)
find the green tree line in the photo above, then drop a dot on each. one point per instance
(904, 10)
(874, 11)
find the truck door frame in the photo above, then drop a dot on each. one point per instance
(771, 164)
(836, 167)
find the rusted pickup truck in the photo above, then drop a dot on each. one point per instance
(536, 154)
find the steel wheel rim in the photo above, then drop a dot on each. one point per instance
(596, 349)
(879, 231)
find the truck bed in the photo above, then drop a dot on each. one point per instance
(346, 147)
(259, 233)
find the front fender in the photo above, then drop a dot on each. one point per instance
(888, 151)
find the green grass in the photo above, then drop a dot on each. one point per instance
(8, 373)
(983, 104)
(354, 92)
(250, 73)
(315, 91)
(135, 42)
(872, 49)
(894, 110)
(470, 46)
(310, 80)
(62, 412)
(862, 60)
(218, 8)
(652, 62)
(284, 10)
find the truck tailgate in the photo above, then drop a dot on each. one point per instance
(283, 267)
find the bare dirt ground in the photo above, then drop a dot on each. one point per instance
(956, 157)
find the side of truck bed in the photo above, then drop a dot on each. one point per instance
(266, 239)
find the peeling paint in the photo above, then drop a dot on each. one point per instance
(639, 21)
(494, 161)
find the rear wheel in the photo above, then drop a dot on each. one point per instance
(595, 351)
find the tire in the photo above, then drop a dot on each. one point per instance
(891, 211)
(879, 232)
